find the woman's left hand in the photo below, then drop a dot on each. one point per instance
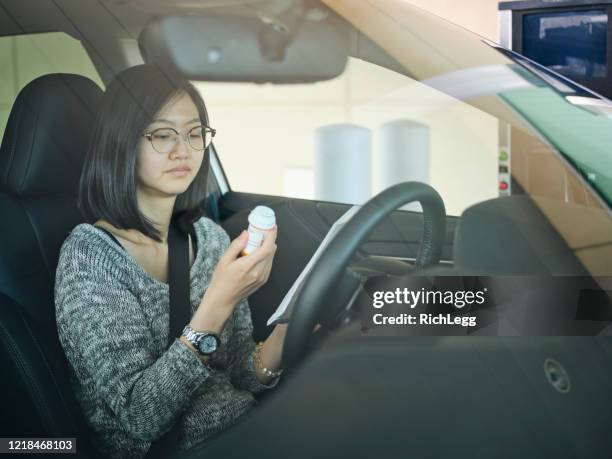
(271, 353)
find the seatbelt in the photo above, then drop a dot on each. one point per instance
(178, 280)
(180, 315)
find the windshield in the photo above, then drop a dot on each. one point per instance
(433, 103)
(347, 139)
(573, 119)
(553, 136)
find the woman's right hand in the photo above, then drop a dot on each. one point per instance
(234, 278)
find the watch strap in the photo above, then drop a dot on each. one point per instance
(194, 337)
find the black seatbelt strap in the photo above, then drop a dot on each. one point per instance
(178, 280)
(180, 315)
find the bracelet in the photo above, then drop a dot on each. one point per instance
(259, 363)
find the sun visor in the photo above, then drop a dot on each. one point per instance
(298, 47)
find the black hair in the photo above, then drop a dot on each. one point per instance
(107, 188)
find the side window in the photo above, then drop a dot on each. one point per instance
(347, 139)
(26, 57)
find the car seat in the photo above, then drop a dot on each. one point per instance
(41, 157)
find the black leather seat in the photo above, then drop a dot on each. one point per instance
(41, 158)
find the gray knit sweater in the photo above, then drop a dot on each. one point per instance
(113, 324)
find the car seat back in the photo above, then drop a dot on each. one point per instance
(41, 158)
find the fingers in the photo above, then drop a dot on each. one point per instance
(266, 250)
(270, 236)
(262, 270)
(267, 269)
(258, 274)
(236, 247)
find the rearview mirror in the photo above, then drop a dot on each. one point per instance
(300, 47)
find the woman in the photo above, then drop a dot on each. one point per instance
(145, 164)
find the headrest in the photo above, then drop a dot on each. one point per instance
(47, 135)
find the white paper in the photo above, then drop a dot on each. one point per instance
(330, 235)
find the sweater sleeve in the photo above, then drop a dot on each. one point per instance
(104, 334)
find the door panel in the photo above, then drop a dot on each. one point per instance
(302, 225)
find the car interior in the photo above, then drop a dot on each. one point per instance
(345, 394)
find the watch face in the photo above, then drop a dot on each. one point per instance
(208, 344)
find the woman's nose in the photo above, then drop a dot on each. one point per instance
(181, 147)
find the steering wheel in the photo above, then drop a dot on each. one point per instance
(310, 298)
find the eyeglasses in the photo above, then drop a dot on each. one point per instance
(163, 140)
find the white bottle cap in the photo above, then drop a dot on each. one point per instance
(262, 217)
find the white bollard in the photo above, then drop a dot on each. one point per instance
(343, 163)
(404, 155)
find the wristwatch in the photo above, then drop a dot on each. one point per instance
(205, 343)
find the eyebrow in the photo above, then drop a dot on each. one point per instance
(163, 120)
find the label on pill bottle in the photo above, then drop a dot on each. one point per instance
(261, 219)
(256, 236)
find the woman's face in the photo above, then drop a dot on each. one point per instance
(154, 172)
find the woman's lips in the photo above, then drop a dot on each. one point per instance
(179, 172)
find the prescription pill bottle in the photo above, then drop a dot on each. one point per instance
(261, 219)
